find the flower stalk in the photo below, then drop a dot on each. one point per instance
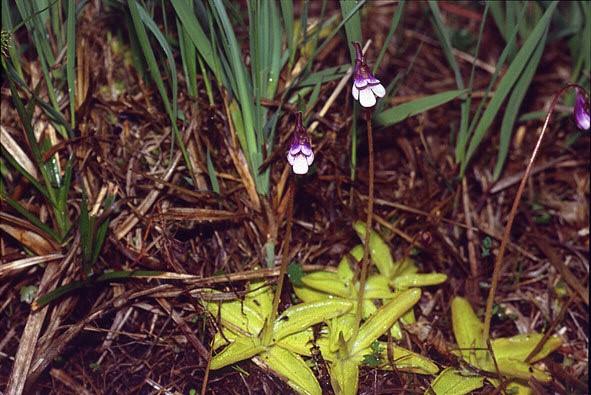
(579, 113)
(368, 223)
(268, 329)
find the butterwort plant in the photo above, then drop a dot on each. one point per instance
(366, 87)
(300, 155)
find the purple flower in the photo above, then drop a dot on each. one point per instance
(582, 110)
(300, 155)
(366, 87)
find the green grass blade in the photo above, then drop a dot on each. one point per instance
(86, 231)
(513, 105)
(71, 59)
(244, 94)
(406, 110)
(188, 58)
(140, 17)
(102, 228)
(464, 132)
(396, 17)
(288, 23)
(213, 178)
(511, 76)
(24, 172)
(443, 34)
(352, 26)
(29, 216)
(13, 46)
(195, 32)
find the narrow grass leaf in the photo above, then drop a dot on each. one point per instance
(513, 105)
(352, 26)
(71, 59)
(213, 178)
(511, 76)
(401, 112)
(396, 17)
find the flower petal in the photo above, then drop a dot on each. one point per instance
(290, 158)
(295, 149)
(300, 165)
(361, 82)
(310, 158)
(367, 98)
(306, 149)
(355, 92)
(373, 80)
(378, 90)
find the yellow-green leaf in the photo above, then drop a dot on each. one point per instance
(344, 268)
(376, 287)
(405, 360)
(304, 315)
(344, 376)
(343, 324)
(292, 369)
(404, 266)
(308, 295)
(520, 346)
(521, 370)
(328, 282)
(299, 342)
(237, 314)
(467, 331)
(378, 249)
(417, 280)
(260, 298)
(452, 381)
(384, 318)
(240, 349)
(220, 339)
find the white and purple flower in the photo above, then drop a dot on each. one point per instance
(366, 87)
(300, 155)
(582, 116)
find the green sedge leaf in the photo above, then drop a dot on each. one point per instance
(240, 349)
(378, 249)
(328, 282)
(455, 382)
(520, 346)
(304, 315)
(295, 274)
(344, 376)
(293, 369)
(384, 318)
(417, 280)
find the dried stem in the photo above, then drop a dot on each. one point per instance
(283, 266)
(512, 213)
(370, 198)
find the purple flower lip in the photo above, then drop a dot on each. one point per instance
(366, 87)
(300, 155)
(581, 111)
